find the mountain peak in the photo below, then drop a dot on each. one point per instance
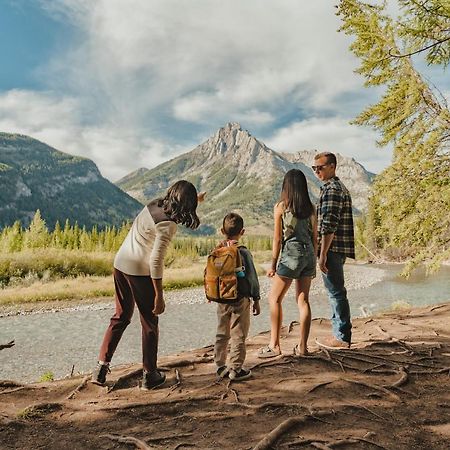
(232, 126)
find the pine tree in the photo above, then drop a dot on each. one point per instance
(11, 238)
(36, 236)
(411, 198)
(57, 240)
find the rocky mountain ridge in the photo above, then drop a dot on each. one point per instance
(240, 173)
(35, 176)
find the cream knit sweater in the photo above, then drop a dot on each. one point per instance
(144, 248)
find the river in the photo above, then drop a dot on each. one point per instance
(55, 341)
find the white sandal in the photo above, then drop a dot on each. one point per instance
(268, 352)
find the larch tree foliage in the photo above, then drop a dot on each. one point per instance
(409, 211)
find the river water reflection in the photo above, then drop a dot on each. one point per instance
(56, 341)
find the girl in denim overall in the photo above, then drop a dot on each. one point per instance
(295, 237)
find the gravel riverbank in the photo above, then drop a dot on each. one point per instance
(358, 276)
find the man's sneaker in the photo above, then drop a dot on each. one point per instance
(332, 343)
(222, 371)
(99, 374)
(241, 375)
(151, 380)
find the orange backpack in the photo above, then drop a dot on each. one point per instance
(220, 278)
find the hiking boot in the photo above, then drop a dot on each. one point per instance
(241, 375)
(332, 343)
(99, 374)
(222, 371)
(151, 380)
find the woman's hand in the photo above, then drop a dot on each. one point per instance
(271, 273)
(160, 306)
(201, 196)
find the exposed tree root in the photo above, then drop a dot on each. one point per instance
(267, 442)
(141, 445)
(317, 386)
(159, 402)
(81, 386)
(9, 391)
(168, 437)
(323, 444)
(401, 381)
(183, 444)
(188, 362)
(177, 384)
(7, 345)
(121, 380)
(291, 326)
(9, 384)
(265, 405)
(276, 361)
(373, 386)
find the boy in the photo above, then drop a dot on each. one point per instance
(234, 318)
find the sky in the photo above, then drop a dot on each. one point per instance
(134, 83)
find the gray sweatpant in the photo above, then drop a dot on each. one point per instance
(233, 323)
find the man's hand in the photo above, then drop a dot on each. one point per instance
(201, 196)
(160, 306)
(323, 263)
(271, 273)
(256, 308)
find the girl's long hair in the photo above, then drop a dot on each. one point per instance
(295, 196)
(180, 204)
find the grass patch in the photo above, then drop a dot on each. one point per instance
(47, 264)
(47, 376)
(64, 289)
(33, 289)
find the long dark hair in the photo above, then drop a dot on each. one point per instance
(180, 204)
(295, 196)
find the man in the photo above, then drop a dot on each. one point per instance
(336, 243)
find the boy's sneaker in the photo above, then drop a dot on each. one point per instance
(241, 375)
(99, 374)
(222, 371)
(151, 380)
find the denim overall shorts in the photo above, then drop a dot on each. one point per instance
(297, 257)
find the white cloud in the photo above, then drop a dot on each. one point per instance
(335, 135)
(145, 78)
(234, 56)
(57, 122)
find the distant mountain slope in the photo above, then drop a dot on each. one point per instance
(240, 173)
(35, 176)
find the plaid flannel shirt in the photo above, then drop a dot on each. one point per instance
(334, 214)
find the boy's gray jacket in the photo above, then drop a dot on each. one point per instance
(248, 286)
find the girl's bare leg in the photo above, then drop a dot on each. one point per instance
(302, 291)
(277, 292)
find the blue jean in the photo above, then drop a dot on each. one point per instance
(337, 296)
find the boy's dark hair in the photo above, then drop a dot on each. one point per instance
(331, 157)
(180, 204)
(232, 224)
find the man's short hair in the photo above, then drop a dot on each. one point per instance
(232, 224)
(331, 157)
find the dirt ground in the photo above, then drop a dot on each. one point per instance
(390, 391)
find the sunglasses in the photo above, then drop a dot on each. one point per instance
(319, 168)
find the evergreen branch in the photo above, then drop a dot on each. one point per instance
(424, 49)
(434, 11)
